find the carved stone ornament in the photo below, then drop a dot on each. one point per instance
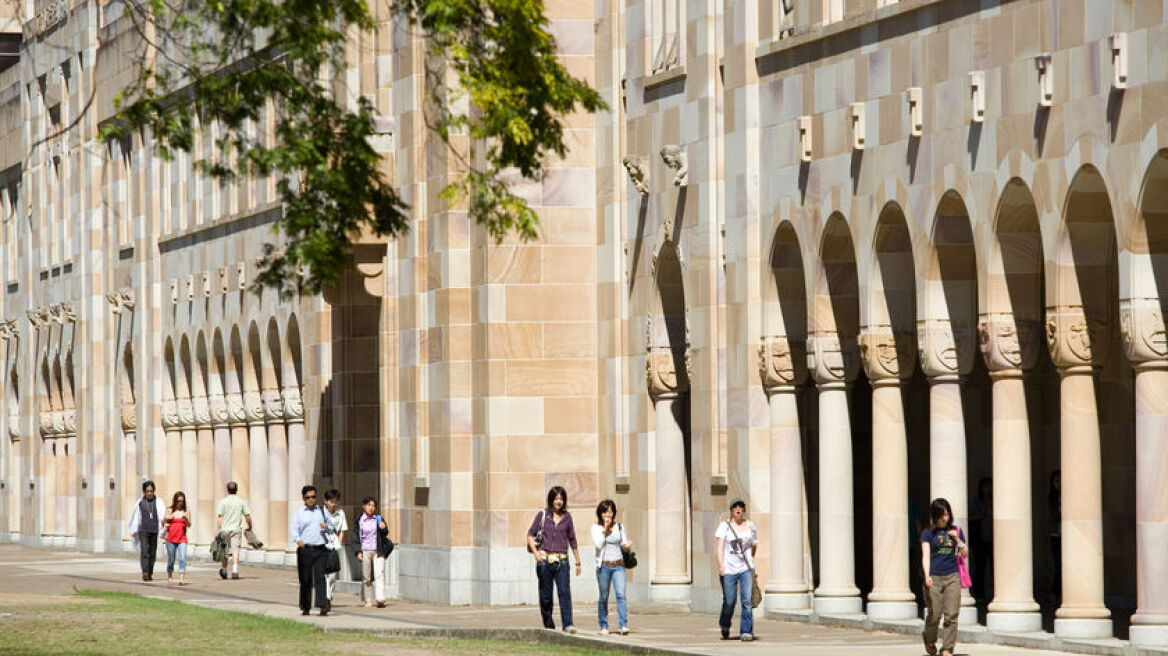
(169, 414)
(49, 16)
(1070, 334)
(662, 375)
(1142, 323)
(273, 405)
(293, 404)
(253, 406)
(129, 417)
(945, 348)
(38, 317)
(69, 422)
(217, 409)
(202, 411)
(46, 423)
(186, 413)
(1007, 342)
(638, 169)
(14, 426)
(58, 419)
(886, 355)
(8, 330)
(62, 313)
(121, 299)
(676, 159)
(825, 358)
(236, 414)
(776, 364)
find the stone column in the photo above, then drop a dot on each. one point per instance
(946, 355)
(221, 445)
(837, 593)
(130, 476)
(888, 359)
(1144, 340)
(781, 371)
(190, 454)
(1070, 336)
(204, 507)
(169, 464)
(671, 577)
(257, 433)
(240, 451)
(1008, 347)
(298, 470)
(277, 474)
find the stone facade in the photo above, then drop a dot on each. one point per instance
(834, 257)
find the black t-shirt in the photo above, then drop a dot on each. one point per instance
(942, 550)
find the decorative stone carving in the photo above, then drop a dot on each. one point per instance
(8, 330)
(49, 16)
(46, 424)
(129, 417)
(38, 317)
(241, 275)
(293, 405)
(638, 169)
(885, 354)
(662, 375)
(1070, 334)
(62, 313)
(826, 360)
(1142, 323)
(186, 413)
(253, 407)
(945, 348)
(273, 406)
(236, 414)
(169, 414)
(202, 411)
(1007, 342)
(57, 417)
(122, 299)
(776, 364)
(14, 425)
(222, 280)
(217, 410)
(69, 421)
(676, 159)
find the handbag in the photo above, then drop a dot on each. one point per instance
(539, 534)
(628, 555)
(963, 572)
(218, 548)
(384, 544)
(756, 592)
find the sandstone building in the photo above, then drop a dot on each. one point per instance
(834, 257)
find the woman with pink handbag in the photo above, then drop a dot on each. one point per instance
(943, 553)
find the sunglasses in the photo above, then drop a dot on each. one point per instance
(310, 496)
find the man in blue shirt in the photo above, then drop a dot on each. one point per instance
(309, 529)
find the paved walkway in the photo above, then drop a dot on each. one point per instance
(273, 592)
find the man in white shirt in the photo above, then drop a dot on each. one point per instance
(737, 543)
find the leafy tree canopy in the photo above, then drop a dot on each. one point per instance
(219, 68)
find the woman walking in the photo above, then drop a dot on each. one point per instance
(548, 539)
(737, 541)
(178, 522)
(610, 541)
(941, 543)
(372, 545)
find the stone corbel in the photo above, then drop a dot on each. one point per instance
(121, 299)
(1142, 323)
(777, 364)
(169, 415)
(1070, 334)
(662, 375)
(1007, 342)
(217, 410)
(45, 419)
(273, 406)
(8, 330)
(129, 417)
(946, 349)
(826, 360)
(14, 424)
(886, 355)
(638, 169)
(201, 411)
(253, 408)
(293, 405)
(69, 422)
(676, 159)
(236, 413)
(57, 417)
(38, 317)
(186, 413)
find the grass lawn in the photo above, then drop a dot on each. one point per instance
(96, 623)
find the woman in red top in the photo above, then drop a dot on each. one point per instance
(178, 520)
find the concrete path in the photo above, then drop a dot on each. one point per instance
(273, 592)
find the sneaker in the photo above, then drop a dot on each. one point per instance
(381, 604)
(746, 637)
(571, 629)
(223, 572)
(624, 630)
(604, 632)
(725, 633)
(234, 575)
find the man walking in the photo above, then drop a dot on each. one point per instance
(145, 524)
(230, 518)
(310, 529)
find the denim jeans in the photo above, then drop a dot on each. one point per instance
(173, 549)
(557, 573)
(608, 575)
(737, 585)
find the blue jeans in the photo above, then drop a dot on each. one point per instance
(608, 575)
(173, 549)
(557, 573)
(740, 585)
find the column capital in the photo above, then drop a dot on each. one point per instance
(661, 369)
(1141, 320)
(186, 413)
(293, 405)
(169, 414)
(887, 355)
(781, 362)
(202, 411)
(273, 406)
(1070, 334)
(129, 416)
(253, 407)
(945, 347)
(217, 408)
(14, 423)
(827, 361)
(1008, 342)
(236, 414)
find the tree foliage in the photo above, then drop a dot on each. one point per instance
(220, 68)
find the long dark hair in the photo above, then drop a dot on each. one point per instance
(607, 504)
(940, 507)
(551, 498)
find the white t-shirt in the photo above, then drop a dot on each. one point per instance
(736, 548)
(338, 520)
(608, 548)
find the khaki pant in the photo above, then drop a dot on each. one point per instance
(372, 575)
(943, 599)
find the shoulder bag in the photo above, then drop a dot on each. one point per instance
(629, 556)
(756, 591)
(332, 557)
(539, 534)
(384, 544)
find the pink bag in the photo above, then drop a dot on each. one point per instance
(963, 572)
